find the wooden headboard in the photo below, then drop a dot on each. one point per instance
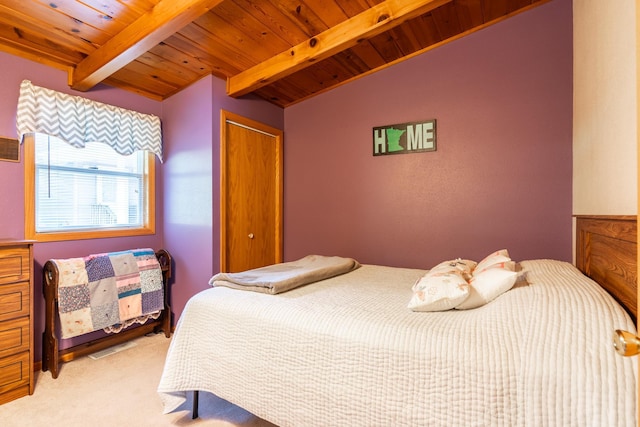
(606, 251)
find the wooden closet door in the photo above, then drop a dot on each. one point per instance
(251, 206)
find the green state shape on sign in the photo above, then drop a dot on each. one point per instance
(393, 136)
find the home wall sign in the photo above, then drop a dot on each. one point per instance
(404, 138)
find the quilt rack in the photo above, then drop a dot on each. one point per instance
(52, 355)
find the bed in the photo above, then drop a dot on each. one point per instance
(347, 351)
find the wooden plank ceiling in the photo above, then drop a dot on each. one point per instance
(283, 51)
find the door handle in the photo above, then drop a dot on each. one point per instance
(626, 343)
(251, 236)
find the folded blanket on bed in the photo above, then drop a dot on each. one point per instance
(285, 276)
(103, 290)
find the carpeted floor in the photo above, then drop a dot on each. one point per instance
(117, 390)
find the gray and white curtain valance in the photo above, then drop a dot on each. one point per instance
(78, 120)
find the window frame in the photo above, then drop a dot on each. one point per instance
(149, 215)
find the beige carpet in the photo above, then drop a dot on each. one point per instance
(117, 390)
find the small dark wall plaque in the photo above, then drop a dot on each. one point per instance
(404, 138)
(9, 149)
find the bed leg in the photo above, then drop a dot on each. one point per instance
(194, 412)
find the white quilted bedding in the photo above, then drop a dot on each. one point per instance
(348, 352)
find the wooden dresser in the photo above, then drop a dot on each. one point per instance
(16, 320)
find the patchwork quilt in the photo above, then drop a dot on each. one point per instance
(103, 290)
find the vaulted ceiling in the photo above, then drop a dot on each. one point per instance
(283, 51)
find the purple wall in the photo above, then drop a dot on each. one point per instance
(191, 131)
(501, 175)
(187, 171)
(14, 70)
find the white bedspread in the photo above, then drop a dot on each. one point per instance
(347, 352)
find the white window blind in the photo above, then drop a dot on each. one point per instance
(86, 188)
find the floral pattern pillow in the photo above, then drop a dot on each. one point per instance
(464, 284)
(487, 285)
(439, 291)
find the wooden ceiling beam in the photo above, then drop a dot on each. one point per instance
(166, 18)
(373, 21)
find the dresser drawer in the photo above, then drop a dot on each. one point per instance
(14, 371)
(14, 301)
(14, 336)
(14, 264)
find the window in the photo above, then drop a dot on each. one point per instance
(81, 193)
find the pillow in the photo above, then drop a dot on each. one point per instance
(465, 266)
(439, 291)
(491, 260)
(507, 265)
(487, 285)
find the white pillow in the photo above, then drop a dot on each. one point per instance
(487, 286)
(465, 266)
(506, 264)
(491, 260)
(439, 292)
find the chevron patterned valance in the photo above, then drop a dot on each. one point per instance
(78, 120)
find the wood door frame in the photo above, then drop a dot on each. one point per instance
(227, 116)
